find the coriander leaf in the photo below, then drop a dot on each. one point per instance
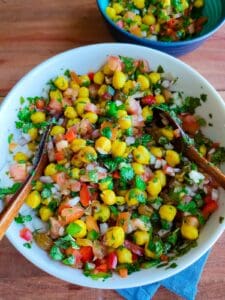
(66, 242)
(10, 138)
(188, 207)
(139, 183)
(143, 140)
(106, 131)
(10, 190)
(27, 245)
(129, 65)
(70, 260)
(20, 219)
(218, 156)
(46, 193)
(55, 253)
(127, 173)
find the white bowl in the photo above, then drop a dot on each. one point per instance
(87, 59)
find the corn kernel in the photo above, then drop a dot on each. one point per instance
(62, 83)
(83, 92)
(72, 122)
(20, 156)
(108, 197)
(149, 20)
(137, 20)
(159, 99)
(141, 155)
(203, 150)
(149, 253)
(103, 145)
(83, 229)
(118, 148)
(38, 117)
(134, 196)
(199, 3)
(102, 90)
(114, 237)
(189, 232)
(121, 113)
(147, 113)
(141, 237)
(91, 117)
(166, 3)
(57, 130)
(33, 199)
(56, 95)
(156, 151)
(118, 8)
(33, 133)
(38, 186)
(128, 86)
(119, 79)
(168, 133)
(161, 176)
(138, 168)
(124, 256)
(99, 78)
(78, 144)
(102, 213)
(107, 70)
(120, 200)
(172, 158)
(32, 146)
(75, 173)
(125, 122)
(154, 77)
(45, 213)
(70, 112)
(167, 212)
(143, 81)
(139, 3)
(50, 170)
(154, 187)
(111, 12)
(87, 154)
(84, 80)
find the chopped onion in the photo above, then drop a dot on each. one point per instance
(103, 228)
(215, 194)
(130, 140)
(46, 179)
(73, 201)
(62, 145)
(196, 176)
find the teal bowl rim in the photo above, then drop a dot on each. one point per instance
(159, 43)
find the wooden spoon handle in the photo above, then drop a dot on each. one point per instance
(205, 165)
(10, 211)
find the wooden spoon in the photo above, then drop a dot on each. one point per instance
(189, 150)
(11, 210)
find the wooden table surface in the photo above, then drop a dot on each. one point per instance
(32, 31)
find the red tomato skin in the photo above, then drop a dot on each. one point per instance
(134, 248)
(148, 100)
(84, 195)
(190, 124)
(86, 254)
(112, 260)
(209, 208)
(26, 234)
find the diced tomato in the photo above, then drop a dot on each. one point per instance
(40, 103)
(114, 63)
(18, 172)
(85, 196)
(102, 268)
(62, 206)
(134, 257)
(143, 65)
(59, 155)
(91, 75)
(55, 106)
(106, 96)
(120, 23)
(77, 255)
(75, 77)
(26, 234)
(116, 174)
(164, 257)
(134, 248)
(112, 260)
(172, 23)
(91, 107)
(123, 220)
(86, 253)
(70, 134)
(71, 214)
(208, 199)
(60, 178)
(148, 100)
(123, 272)
(209, 208)
(74, 185)
(190, 124)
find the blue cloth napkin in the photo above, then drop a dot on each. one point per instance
(184, 284)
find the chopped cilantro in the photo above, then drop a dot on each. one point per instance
(20, 219)
(22, 100)
(67, 73)
(129, 66)
(221, 219)
(203, 97)
(160, 69)
(126, 173)
(10, 190)
(55, 253)
(93, 235)
(66, 242)
(139, 183)
(10, 138)
(27, 245)
(143, 140)
(46, 193)
(52, 85)
(107, 132)
(114, 210)
(218, 156)
(172, 266)
(93, 176)
(188, 207)
(70, 260)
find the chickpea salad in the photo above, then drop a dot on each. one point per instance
(167, 20)
(116, 195)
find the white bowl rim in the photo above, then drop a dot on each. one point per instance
(97, 284)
